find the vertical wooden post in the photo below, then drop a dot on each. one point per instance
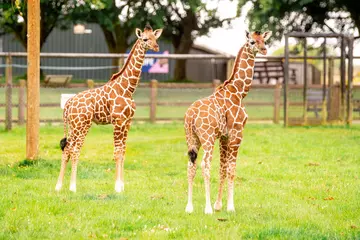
(342, 79)
(277, 96)
(324, 109)
(153, 100)
(286, 81)
(349, 105)
(305, 84)
(33, 81)
(216, 83)
(333, 95)
(21, 110)
(8, 94)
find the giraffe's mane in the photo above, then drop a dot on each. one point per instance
(238, 58)
(116, 75)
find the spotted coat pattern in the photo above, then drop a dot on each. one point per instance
(110, 104)
(222, 115)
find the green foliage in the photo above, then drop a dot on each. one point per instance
(13, 18)
(293, 183)
(303, 15)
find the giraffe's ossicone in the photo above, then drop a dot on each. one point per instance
(110, 104)
(222, 115)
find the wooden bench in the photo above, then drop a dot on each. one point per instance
(57, 80)
(356, 105)
(315, 101)
(267, 70)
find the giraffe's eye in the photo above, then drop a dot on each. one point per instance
(252, 42)
(145, 39)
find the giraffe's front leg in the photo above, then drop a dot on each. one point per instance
(222, 171)
(234, 145)
(120, 135)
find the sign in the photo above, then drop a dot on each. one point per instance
(155, 65)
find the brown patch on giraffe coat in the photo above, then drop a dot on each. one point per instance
(247, 81)
(249, 72)
(242, 74)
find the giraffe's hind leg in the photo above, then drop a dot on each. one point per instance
(64, 161)
(121, 130)
(208, 146)
(75, 143)
(193, 149)
(222, 171)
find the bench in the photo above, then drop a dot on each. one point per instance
(267, 70)
(356, 105)
(57, 80)
(315, 101)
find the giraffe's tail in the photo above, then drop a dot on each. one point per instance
(192, 150)
(63, 141)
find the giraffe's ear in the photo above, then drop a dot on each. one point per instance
(247, 34)
(267, 35)
(138, 33)
(157, 33)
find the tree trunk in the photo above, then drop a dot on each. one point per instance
(180, 64)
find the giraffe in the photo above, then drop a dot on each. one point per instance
(222, 115)
(110, 104)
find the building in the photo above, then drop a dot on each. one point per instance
(93, 41)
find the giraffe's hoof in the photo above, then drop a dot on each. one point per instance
(230, 209)
(189, 208)
(208, 210)
(119, 186)
(72, 187)
(217, 206)
(58, 187)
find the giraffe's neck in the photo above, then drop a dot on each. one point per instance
(129, 75)
(242, 73)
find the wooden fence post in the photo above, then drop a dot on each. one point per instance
(90, 83)
(216, 83)
(21, 110)
(277, 96)
(8, 94)
(153, 100)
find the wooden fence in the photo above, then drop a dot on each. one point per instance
(153, 102)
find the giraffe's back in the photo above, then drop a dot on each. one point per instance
(205, 117)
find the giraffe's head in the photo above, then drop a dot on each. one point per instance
(148, 37)
(257, 41)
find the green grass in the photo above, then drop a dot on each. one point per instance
(293, 183)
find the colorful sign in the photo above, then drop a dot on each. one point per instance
(155, 65)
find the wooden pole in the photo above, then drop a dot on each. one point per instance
(349, 105)
(21, 110)
(277, 96)
(324, 109)
(286, 80)
(8, 94)
(305, 84)
(153, 100)
(33, 81)
(342, 79)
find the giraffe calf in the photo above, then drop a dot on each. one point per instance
(110, 104)
(222, 116)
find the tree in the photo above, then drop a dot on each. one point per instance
(117, 21)
(13, 18)
(338, 16)
(183, 21)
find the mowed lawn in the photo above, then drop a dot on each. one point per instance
(293, 183)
